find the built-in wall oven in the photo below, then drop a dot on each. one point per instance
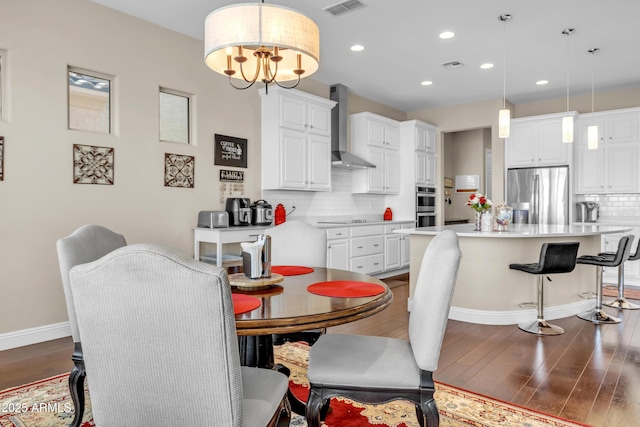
(425, 206)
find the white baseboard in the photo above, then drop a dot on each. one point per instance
(34, 335)
(513, 317)
(485, 317)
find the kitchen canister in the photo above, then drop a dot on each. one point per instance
(486, 222)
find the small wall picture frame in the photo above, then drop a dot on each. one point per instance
(1, 158)
(93, 165)
(179, 170)
(230, 151)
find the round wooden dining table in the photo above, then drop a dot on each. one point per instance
(287, 306)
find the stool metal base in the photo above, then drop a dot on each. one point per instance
(598, 317)
(622, 303)
(541, 327)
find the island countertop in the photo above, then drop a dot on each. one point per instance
(522, 230)
(489, 292)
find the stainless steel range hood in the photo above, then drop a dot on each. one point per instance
(340, 157)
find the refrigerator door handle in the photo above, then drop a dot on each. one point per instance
(535, 206)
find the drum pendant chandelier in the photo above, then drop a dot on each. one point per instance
(261, 42)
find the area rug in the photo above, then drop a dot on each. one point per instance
(47, 403)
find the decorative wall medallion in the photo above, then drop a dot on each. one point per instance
(92, 165)
(1, 158)
(179, 170)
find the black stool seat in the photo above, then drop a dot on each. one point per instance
(614, 259)
(554, 258)
(621, 301)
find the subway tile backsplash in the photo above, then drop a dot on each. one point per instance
(614, 206)
(338, 202)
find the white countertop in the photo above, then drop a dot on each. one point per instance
(521, 230)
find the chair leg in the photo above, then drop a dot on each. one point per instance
(76, 384)
(621, 301)
(314, 406)
(598, 315)
(540, 326)
(427, 414)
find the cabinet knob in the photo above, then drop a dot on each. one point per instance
(359, 266)
(359, 247)
(338, 234)
(376, 245)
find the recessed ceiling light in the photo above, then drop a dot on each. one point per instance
(447, 35)
(542, 82)
(357, 48)
(426, 83)
(486, 66)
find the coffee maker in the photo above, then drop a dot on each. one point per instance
(587, 211)
(239, 209)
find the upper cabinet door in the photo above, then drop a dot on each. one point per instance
(392, 137)
(622, 128)
(375, 133)
(521, 145)
(293, 113)
(319, 120)
(551, 149)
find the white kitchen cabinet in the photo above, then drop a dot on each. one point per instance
(296, 141)
(338, 248)
(631, 269)
(405, 246)
(376, 139)
(392, 247)
(613, 166)
(422, 137)
(537, 141)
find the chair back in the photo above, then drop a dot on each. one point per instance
(558, 257)
(624, 249)
(158, 333)
(88, 243)
(636, 255)
(298, 243)
(432, 298)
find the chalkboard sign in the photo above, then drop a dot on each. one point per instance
(230, 151)
(227, 175)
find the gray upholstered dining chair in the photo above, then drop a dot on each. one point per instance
(301, 244)
(298, 243)
(159, 340)
(372, 369)
(88, 243)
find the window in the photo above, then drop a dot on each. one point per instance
(89, 101)
(175, 111)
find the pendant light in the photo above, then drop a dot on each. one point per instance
(504, 115)
(567, 121)
(592, 131)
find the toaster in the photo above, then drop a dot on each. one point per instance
(213, 219)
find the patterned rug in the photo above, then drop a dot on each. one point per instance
(47, 403)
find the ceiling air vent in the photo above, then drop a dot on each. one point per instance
(452, 65)
(344, 7)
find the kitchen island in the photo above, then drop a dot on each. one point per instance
(488, 292)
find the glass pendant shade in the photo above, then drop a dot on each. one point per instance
(504, 119)
(567, 129)
(257, 41)
(592, 137)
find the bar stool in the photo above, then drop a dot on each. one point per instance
(621, 301)
(597, 315)
(554, 258)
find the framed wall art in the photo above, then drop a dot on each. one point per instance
(230, 151)
(1, 158)
(179, 170)
(92, 165)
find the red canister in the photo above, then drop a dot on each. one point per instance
(388, 215)
(280, 214)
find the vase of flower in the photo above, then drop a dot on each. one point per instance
(479, 203)
(477, 221)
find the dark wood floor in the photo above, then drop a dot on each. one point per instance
(590, 374)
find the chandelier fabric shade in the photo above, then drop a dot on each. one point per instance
(504, 119)
(261, 42)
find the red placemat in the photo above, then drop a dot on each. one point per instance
(345, 289)
(291, 270)
(243, 303)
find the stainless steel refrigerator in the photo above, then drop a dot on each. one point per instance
(544, 189)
